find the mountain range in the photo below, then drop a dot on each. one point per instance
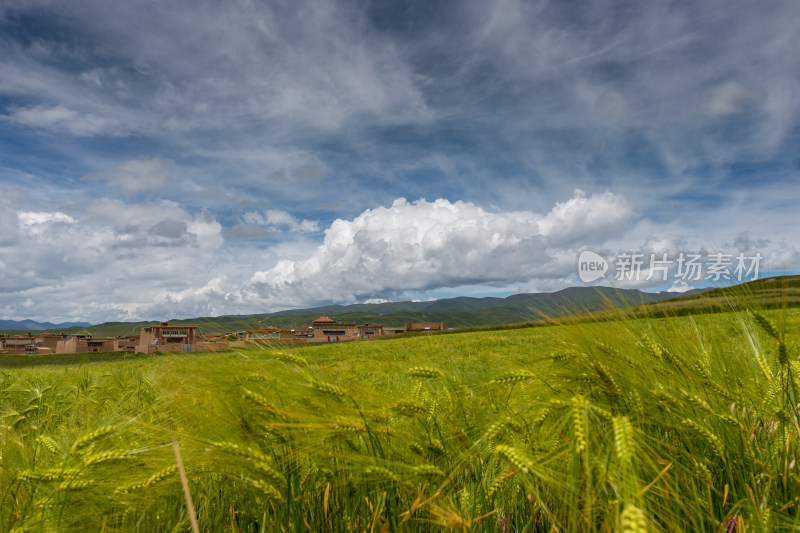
(32, 325)
(469, 311)
(457, 312)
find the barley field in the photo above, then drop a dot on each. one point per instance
(677, 424)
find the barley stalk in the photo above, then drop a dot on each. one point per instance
(290, 358)
(428, 471)
(424, 372)
(633, 520)
(49, 444)
(623, 439)
(383, 474)
(107, 456)
(155, 478)
(518, 459)
(515, 376)
(708, 436)
(578, 415)
(765, 324)
(51, 474)
(327, 388)
(409, 408)
(270, 491)
(89, 438)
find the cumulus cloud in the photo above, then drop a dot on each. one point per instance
(423, 245)
(102, 259)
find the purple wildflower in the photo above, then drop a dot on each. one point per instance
(504, 524)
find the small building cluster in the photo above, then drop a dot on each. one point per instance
(325, 329)
(174, 339)
(44, 343)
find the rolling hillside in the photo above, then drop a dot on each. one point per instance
(470, 312)
(457, 312)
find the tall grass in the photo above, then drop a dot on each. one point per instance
(680, 424)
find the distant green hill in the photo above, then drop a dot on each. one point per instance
(31, 325)
(457, 312)
(519, 308)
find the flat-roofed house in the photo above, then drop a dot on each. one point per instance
(126, 344)
(166, 338)
(86, 343)
(326, 329)
(266, 335)
(50, 340)
(426, 326)
(19, 343)
(370, 331)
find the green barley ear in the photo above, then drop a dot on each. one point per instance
(770, 396)
(51, 474)
(652, 348)
(409, 408)
(607, 379)
(497, 484)
(632, 520)
(428, 471)
(257, 459)
(89, 438)
(327, 388)
(708, 436)
(110, 455)
(155, 478)
(513, 377)
(578, 415)
(765, 324)
(424, 372)
(416, 448)
(539, 420)
(260, 401)
(268, 490)
(381, 473)
(623, 439)
(49, 444)
(76, 484)
(519, 460)
(290, 358)
(564, 355)
(345, 425)
(436, 447)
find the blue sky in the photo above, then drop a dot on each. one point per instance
(181, 159)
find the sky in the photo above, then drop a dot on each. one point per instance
(201, 158)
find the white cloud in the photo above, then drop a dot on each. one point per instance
(277, 219)
(137, 175)
(32, 218)
(680, 286)
(61, 119)
(104, 259)
(726, 98)
(424, 245)
(36, 223)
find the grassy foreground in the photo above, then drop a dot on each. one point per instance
(683, 424)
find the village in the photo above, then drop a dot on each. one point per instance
(166, 338)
